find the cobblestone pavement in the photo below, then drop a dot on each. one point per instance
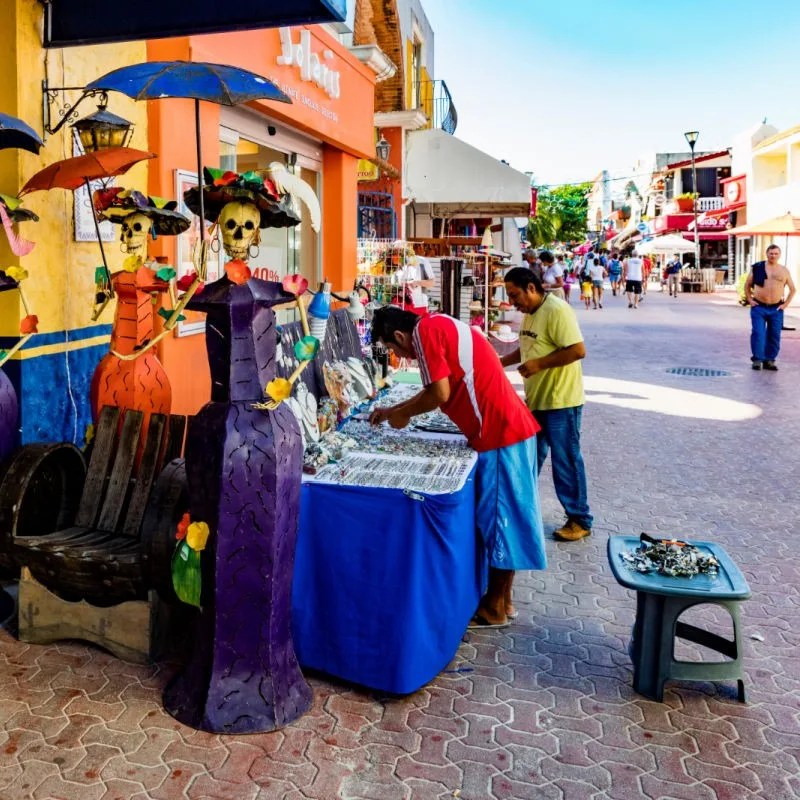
(547, 710)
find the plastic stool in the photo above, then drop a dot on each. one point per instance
(660, 601)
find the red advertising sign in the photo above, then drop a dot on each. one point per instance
(534, 200)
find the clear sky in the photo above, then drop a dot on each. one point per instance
(565, 88)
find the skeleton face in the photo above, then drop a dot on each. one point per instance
(239, 225)
(134, 233)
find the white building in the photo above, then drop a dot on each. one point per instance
(766, 172)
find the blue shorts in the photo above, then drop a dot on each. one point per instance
(508, 513)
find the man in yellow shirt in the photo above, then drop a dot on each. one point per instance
(551, 349)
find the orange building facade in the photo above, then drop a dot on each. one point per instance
(320, 136)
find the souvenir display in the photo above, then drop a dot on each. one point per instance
(361, 380)
(244, 464)
(438, 475)
(384, 439)
(435, 422)
(304, 407)
(129, 376)
(327, 414)
(340, 387)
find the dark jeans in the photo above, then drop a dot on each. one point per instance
(561, 437)
(765, 338)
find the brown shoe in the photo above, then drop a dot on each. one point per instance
(571, 532)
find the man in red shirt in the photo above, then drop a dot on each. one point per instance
(463, 376)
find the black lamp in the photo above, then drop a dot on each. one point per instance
(382, 149)
(691, 137)
(102, 130)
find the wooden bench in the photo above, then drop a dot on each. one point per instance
(96, 553)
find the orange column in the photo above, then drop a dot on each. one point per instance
(339, 218)
(396, 138)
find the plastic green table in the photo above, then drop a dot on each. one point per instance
(660, 601)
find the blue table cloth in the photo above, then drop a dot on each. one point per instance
(385, 582)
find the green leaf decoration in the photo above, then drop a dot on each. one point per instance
(166, 313)
(186, 575)
(166, 273)
(214, 172)
(3, 354)
(252, 177)
(100, 275)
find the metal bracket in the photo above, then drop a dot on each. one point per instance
(67, 111)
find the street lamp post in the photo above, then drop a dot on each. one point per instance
(691, 137)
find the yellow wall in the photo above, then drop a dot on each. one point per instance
(52, 373)
(61, 284)
(426, 90)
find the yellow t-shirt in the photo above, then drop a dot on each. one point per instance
(553, 326)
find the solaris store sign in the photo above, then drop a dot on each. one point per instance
(312, 66)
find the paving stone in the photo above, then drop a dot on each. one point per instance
(548, 710)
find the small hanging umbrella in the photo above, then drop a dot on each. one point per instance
(14, 133)
(72, 173)
(214, 83)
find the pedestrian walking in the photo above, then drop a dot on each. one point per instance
(765, 290)
(553, 277)
(615, 274)
(632, 275)
(598, 273)
(647, 269)
(586, 287)
(550, 352)
(673, 272)
(570, 280)
(463, 376)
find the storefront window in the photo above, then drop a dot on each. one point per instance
(282, 251)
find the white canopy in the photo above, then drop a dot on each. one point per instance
(669, 243)
(446, 177)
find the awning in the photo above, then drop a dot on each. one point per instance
(445, 177)
(707, 237)
(68, 22)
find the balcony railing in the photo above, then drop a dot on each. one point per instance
(710, 204)
(434, 98)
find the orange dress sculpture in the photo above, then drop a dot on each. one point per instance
(140, 384)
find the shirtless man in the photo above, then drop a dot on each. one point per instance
(765, 290)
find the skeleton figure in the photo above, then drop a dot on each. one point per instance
(133, 234)
(239, 223)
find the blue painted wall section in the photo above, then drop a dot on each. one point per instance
(53, 388)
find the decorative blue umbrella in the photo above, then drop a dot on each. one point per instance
(214, 83)
(14, 133)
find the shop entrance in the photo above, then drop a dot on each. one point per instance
(282, 251)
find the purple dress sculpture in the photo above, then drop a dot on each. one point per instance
(244, 469)
(9, 408)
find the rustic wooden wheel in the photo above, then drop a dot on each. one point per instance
(169, 501)
(39, 494)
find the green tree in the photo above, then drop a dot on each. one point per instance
(560, 215)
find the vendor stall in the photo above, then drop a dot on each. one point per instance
(388, 568)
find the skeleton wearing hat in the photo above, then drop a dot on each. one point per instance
(130, 376)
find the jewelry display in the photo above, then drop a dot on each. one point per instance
(411, 473)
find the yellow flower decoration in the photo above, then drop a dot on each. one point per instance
(279, 389)
(16, 273)
(197, 536)
(132, 263)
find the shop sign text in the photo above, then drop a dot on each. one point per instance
(312, 65)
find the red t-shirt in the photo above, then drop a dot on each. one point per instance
(482, 401)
